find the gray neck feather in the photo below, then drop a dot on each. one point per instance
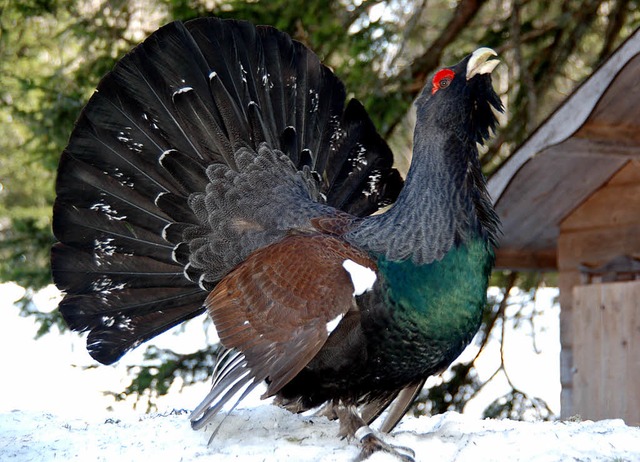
(435, 208)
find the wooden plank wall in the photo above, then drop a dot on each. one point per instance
(605, 226)
(606, 351)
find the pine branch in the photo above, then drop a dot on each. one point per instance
(523, 76)
(411, 24)
(424, 64)
(615, 23)
(566, 41)
(415, 76)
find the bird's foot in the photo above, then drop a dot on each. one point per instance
(371, 443)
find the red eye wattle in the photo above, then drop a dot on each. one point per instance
(442, 79)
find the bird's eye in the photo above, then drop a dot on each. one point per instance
(442, 79)
(444, 83)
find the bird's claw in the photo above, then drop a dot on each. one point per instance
(371, 444)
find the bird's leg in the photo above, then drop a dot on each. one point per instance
(328, 411)
(352, 426)
(371, 443)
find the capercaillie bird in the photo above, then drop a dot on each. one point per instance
(218, 168)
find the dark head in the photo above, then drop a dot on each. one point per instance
(462, 97)
(444, 199)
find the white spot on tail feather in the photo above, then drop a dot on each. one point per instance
(125, 324)
(315, 101)
(180, 91)
(155, 201)
(201, 282)
(165, 154)
(372, 183)
(105, 246)
(266, 79)
(185, 272)
(174, 255)
(164, 236)
(108, 211)
(362, 277)
(360, 160)
(243, 73)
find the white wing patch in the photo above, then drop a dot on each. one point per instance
(362, 277)
(331, 325)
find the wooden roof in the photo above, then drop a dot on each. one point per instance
(591, 136)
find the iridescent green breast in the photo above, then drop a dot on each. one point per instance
(437, 307)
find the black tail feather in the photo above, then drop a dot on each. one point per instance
(187, 101)
(87, 230)
(122, 299)
(190, 173)
(84, 186)
(361, 173)
(118, 334)
(88, 273)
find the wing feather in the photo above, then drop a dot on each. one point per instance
(275, 306)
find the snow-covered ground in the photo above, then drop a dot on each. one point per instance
(268, 433)
(62, 413)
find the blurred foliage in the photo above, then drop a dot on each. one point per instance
(516, 405)
(53, 53)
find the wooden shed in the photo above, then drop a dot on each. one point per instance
(569, 200)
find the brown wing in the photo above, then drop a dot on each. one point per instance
(275, 306)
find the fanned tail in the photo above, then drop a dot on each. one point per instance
(191, 98)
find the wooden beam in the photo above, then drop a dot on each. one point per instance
(629, 174)
(526, 260)
(597, 246)
(611, 206)
(599, 148)
(620, 134)
(548, 188)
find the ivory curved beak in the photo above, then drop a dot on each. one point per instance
(482, 61)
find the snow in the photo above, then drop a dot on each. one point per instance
(268, 433)
(62, 412)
